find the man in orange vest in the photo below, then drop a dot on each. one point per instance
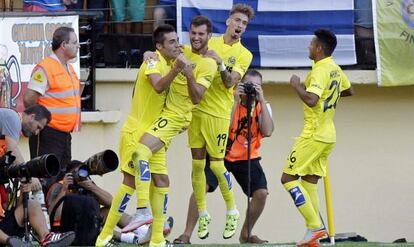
(236, 156)
(55, 85)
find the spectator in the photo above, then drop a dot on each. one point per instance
(364, 33)
(55, 85)
(363, 13)
(133, 10)
(30, 122)
(45, 5)
(165, 12)
(93, 5)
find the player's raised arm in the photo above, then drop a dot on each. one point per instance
(162, 83)
(310, 99)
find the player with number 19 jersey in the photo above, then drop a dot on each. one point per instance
(211, 118)
(218, 100)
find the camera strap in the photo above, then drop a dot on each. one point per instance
(53, 212)
(241, 125)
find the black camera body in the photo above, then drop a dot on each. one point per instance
(249, 88)
(81, 174)
(44, 166)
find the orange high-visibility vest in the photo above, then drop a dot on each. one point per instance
(62, 98)
(238, 149)
(3, 145)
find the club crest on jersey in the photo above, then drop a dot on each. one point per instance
(131, 164)
(151, 63)
(333, 74)
(145, 171)
(231, 61)
(228, 179)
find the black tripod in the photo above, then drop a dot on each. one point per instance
(250, 99)
(26, 238)
(5, 161)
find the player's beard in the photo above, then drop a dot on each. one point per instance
(200, 47)
(311, 57)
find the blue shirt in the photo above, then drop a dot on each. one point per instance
(50, 5)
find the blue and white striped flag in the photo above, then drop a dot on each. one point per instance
(281, 30)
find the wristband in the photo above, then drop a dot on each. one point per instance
(222, 67)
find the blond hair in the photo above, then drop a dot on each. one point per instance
(244, 9)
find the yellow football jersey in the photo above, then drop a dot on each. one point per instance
(327, 80)
(218, 100)
(178, 99)
(147, 104)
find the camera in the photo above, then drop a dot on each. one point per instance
(103, 162)
(44, 166)
(81, 173)
(98, 164)
(249, 88)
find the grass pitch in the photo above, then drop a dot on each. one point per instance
(340, 244)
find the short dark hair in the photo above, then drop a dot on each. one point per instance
(160, 31)
(61, 34)
(244, 9)
(202, 20)
(327, 39)
(40, 112)
(73, 164)
(252, 72)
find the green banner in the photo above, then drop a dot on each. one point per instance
(394, 27)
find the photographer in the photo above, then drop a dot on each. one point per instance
(83, 191)
(236, 159)
(30, 122)
(75, 182)
(77, 194)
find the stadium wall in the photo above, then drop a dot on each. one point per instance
(371, 166)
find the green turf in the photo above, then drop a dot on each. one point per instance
(345, 244)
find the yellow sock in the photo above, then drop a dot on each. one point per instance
(312, 190)
(224, 179)
(303, 203)
(118, 206)
(159, 199)
(198, 179)
(142, 174)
